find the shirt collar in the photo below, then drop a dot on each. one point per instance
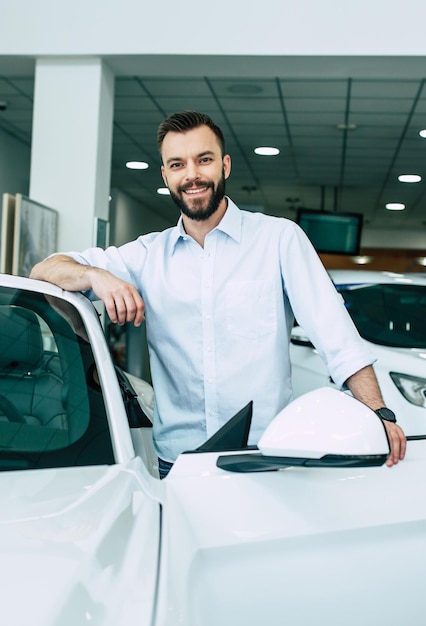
(230, 224)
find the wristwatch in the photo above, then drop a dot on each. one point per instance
(386, 414)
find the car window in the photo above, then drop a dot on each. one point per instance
(390, 315)
(52, 412)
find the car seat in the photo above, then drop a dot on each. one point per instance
(28, 392)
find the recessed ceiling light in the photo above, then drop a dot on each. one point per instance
(395, 206)
(346, 126)
(422, 133)
(163, 191)
(137, 165)
(266, 151)
(409, 178)
(362, 259)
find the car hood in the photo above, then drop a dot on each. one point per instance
(418, 353)
(253, 547)
(408, 360)
(61, 543)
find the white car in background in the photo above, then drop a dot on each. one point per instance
(389, 310)
(308, 528)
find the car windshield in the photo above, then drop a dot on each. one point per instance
(389, 315)
(52, 412)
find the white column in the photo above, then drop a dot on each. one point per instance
(71, 144)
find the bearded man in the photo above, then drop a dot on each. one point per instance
(219, 292)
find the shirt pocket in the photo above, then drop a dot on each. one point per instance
(250, 308)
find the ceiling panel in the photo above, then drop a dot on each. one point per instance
(315, 88)
(359, 165)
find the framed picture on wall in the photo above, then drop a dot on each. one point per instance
(7, 227)
(101, 233)
(35, 234)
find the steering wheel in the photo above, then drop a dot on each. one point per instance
(10, 411)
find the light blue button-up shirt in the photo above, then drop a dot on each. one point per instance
(218, 321)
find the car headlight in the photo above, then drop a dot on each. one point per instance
(412, 388)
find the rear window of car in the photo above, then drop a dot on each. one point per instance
(52, 412)
(389, 315)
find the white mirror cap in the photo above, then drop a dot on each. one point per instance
(324, 421)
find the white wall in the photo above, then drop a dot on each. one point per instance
(270, 27)
(129, 219)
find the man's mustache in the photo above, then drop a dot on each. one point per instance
(197, 183)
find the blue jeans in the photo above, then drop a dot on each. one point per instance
(164, 468)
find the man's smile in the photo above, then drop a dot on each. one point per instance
(193, 191)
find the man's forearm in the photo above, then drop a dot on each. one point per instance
(122, 300)
(364, 387)
(63, 271)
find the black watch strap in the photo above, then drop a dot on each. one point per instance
(386, 414)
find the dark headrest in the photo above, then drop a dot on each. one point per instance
(21, 343)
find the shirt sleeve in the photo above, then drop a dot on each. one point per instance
(125, 262)
(320, 309)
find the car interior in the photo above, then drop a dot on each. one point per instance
(51, 412)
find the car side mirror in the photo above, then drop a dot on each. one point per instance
(325, 421)
(323, 428)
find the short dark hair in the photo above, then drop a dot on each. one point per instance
(188, 120)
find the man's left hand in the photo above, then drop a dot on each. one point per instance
(397, 442)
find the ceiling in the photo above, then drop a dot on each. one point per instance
(343, 140)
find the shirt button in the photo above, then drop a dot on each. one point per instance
(206, 284)
(210, 380)
(209, 348)
(207, 316)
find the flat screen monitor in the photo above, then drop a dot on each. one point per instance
(332, 232)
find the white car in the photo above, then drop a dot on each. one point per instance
(310, 527)
(389, 311)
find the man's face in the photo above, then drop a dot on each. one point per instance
(195, 172)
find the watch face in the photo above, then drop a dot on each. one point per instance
(386, 414)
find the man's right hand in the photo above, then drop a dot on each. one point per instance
(122, 300)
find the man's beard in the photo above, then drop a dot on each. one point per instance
(199, 213)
